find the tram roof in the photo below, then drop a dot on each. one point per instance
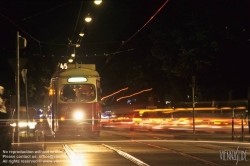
(83, 70)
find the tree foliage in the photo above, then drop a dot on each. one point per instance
(39, 73)
(186, 43)
(195, 38)
(192, 39)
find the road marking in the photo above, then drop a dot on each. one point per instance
(127, 156)
(75, 160)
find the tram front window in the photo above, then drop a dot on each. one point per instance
(78, 93)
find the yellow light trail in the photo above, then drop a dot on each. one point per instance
(134, 94)
(114, 93)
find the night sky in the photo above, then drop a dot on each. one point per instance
(52, 23)
(49, 25)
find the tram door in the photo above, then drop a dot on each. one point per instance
(53, 100)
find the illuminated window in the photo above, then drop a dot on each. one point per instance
(77, 79)
(78, 93)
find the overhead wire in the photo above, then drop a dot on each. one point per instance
(110, 54)
(104, 54)
(107, 54)
(41, 42)
(38, 41)
(77, 20)
(124, 42)
(60, 44)
(151, 18)
(26, 18)
(131, 49)
(75, 27)
(40, 48)
(19, 28)
(79, 40)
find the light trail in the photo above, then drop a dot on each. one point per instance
(114, 93)
(134, 94)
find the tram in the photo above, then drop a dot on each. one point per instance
(74, 105)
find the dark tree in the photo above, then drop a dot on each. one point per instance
(194, 38)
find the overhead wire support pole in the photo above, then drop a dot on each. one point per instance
(232, 124)
(242, 127)
(193, 86)
(248, 109)
(26, 99)
(24, 75)
(17, 86)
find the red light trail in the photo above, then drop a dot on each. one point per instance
(114, 93)
(134, 94)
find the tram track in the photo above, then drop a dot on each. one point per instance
(216, 146)
(135, 150)
(72, 156)
(77, 161)
(201, 160)
(209, 145)
(127, 156)
(181, 153)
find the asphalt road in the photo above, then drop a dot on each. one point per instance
(124, 147)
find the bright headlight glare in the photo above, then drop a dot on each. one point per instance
(78, 115)
(31, 125)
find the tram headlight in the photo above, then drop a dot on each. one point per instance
(78, 115)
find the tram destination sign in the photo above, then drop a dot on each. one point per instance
(77, 79)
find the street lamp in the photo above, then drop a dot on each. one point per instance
(88, 18)
(81, 33)
(70, 60)
(98, 2)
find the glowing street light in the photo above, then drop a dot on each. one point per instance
(81, 33)
(88, 18)
(98, 2)
(70, 60)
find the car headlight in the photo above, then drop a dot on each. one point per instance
(78, 115)
(31, 125)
